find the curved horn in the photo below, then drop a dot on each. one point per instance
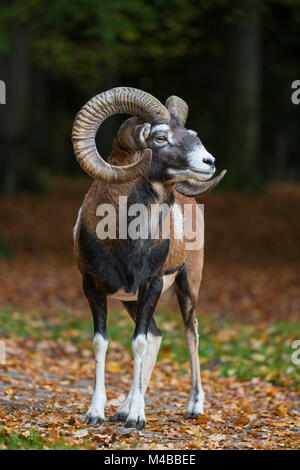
(179, 107)
(94, 112)
(198, 188)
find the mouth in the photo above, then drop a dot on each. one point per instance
(196, 187)
(191, 174)
(203, 173)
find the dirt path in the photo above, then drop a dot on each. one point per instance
(46, 388)
(252, 274)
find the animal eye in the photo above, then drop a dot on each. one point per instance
(160, 139)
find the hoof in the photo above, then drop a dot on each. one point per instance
(137, 424)
(90, 419)
(118, 417)
(191, 415)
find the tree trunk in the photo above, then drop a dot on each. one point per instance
(20, 120)
(15, 73)
(244, 126)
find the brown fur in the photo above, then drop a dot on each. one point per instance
(137, 272)
(125, 152)
(101, 193)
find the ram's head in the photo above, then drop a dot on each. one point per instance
(166, 151)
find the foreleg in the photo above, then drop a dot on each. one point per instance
(98, 306)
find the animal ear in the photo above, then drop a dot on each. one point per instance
(195, 188)
(178, 106)
(142, 133)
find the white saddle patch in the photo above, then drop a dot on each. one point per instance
(76, 226)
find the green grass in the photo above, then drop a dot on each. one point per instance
(32, 442)
(39, 324)
(231, 348)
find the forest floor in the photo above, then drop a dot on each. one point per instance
(249, 317)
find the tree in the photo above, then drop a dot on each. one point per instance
(245, 120)
(76, 49)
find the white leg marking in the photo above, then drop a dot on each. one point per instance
(136, 416)
(153, 344)
(196, 402)
(123, 410)
(96, 410)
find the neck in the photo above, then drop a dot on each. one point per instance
(162, 190)
(122, 156)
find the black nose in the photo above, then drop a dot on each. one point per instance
(209, 161)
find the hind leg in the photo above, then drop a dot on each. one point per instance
(148, 296)
(153, 343)
(154, 337)
(187, 298)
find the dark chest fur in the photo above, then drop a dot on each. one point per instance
(125, 264)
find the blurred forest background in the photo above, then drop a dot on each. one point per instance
(232, 61)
